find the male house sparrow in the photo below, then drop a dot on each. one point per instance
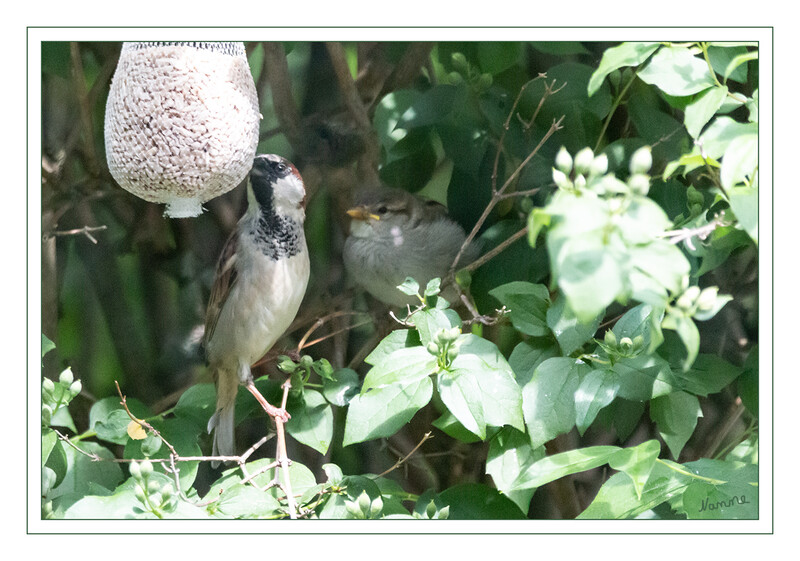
(261, 277)
(395, 235)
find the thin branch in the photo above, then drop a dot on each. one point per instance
(499, 194)
(701, 233)
(403, 460)
(496, 250)
(368, 163)
(282, 458)
(86, 231)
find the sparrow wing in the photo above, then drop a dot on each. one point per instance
(224, 280)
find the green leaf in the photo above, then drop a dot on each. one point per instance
(597, 389)
(642, 221)
(84, 474)
(430, 321)
(409, 286)
(182, 434)
(383, 411)
(744, 203)
(656, 271)
(676, 71)
(740, 162)
(343, 387)
(496, 56)
(548, 399)
(708, 374)
(403, 366)
(559, 48)
(501, 397)
(720, 133)
(472, 501)
(432, 107)
(727, 61)
(113, 427)
(245, 501)
(626, 54)
(735, 497)
(527, 304)
(510, 455)
(676, 415)
(397, 339)
(47, 345)
(449, 425)
(527, 355)
(686, 329)
(312, 423)
(196, 404)
(570, 333)
(637, 462)
(461, 394)
(641, 321)
(618, 499)
(700, 111)
(644, 377)
(732, 70)
(589, 275)
(560, 465)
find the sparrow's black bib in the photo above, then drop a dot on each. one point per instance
(277, 236)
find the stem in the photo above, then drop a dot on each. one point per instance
(613, 110)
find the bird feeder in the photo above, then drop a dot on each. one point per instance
(181, 123)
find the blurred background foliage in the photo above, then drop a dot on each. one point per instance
(124, 289)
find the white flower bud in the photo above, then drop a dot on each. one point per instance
(564, 161)
(642, 160)
(599, 166)
(561, 180)
(583, 160)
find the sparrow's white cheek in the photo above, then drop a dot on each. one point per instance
(397, 236)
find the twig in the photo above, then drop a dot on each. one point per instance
(368, 163)
(142, 423)
(86, 231)
(282, 458)
(402, 460)
(319, 323)
(498, 194)
(496, 250)
(701, 233)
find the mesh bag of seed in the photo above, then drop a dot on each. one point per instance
(181, 123)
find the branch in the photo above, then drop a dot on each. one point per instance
(701, 232)
(368, 164)
(403, 460)
(86, 231)
(277, 71)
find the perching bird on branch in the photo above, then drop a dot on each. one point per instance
(260, 281)
(395, 234)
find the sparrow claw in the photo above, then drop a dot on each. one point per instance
(279, 413)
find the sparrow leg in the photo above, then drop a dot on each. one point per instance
(272, 411)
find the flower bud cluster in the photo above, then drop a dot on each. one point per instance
(445, 346)
(589, 171)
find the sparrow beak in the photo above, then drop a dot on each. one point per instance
(361, 213)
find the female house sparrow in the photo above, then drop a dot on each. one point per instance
(261, 277)
(395, 235)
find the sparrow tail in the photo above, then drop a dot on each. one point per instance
(223, 420)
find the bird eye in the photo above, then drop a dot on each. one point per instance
(383, 210)
(281, 168)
